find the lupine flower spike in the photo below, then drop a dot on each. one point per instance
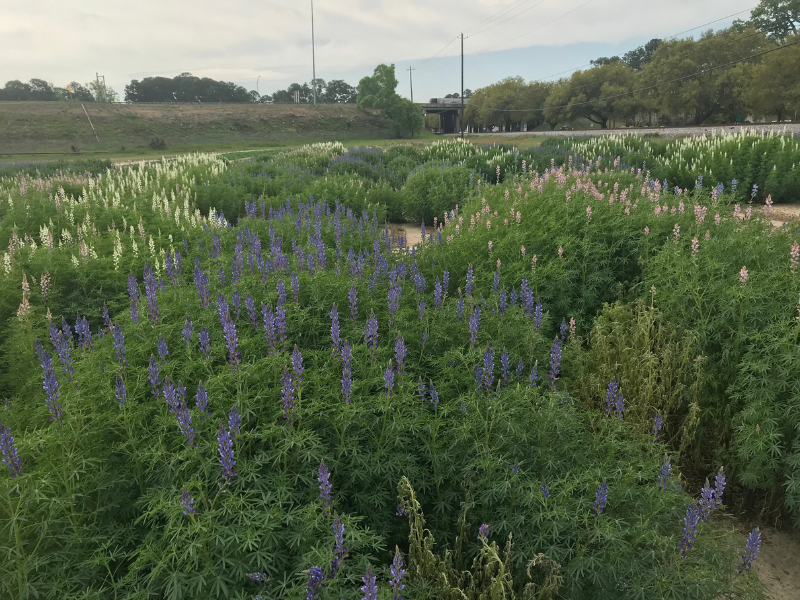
(397, 572)
(751, 549)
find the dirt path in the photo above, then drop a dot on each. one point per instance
(782, 214)
(778, 563)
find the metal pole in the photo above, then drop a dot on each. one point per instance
(462, 85)
(90, 123)
(259, 77)
(411, 81)
(313, 56)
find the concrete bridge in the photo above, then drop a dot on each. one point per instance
(449, 111)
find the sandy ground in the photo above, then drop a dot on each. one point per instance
(782, 214)
(778, 563)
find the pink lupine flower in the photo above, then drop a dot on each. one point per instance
(768, 206)
(794, 256)
(488, 224)
(717, 219)
(681, 207)
(505, 222)
(568, 195)
(646, 230)
(588, 213)
(519, 190)
(737, 211)
(498, 264)
(748, 213)
(708, 235)
(572, 326)
(522, 249)
(533, 262)
(519, 217)
(490, 246)
(560, 252)
(743, 275)
(695, 245)
(676, 232)
(506, 194)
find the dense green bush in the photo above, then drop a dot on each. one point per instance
(435, 188)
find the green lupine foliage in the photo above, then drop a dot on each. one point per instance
(97, 513)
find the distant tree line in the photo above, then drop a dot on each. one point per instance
(39, 89)
(185, 88)
(649, 85)
(336, 91)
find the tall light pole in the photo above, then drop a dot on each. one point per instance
(313, 57)
(259, 77)
(462, 86)
(411, 82)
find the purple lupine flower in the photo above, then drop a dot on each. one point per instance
(505, 369)
(163, 351)
(371, 334)
(719, 489)
(555, 361)
(106, 319)
(388, 379)
(611, 397)
(339, 550)
(534, 376)
(421, 310)
(61, 344)
(474, 326)
(281, 291)
(424, 339)
(234, 423)
(619, 405)
(422, 389)
(545, 490)
(187, 502)
(600, 499)
(133, 294)
(202, 400)
(538, 317)
(229, 330)
(252, 313)
(487, 370)
(287, 395)
(460, 310)
(478, 372)
(353, 297)
(335, 339)
(184, 418)
(369, 588)
(520, 369)
(437, 294)
(434, 396)
(269, 327)
(315, 579)
(483, 532)
(188, 328)
(347, 372)
(562, 330)
(393, 301)
(173, 402)
(84, 333)
(400, 354)
(120, 390)
(690, 522)
(119, 344)
(658, 421)
(205, 343)
(150, 287)
(397, 572)
(280, 324)
(751, 549)
(401, 511)
(226, 456)
(468, 288)
(503, 306)
(201, 283)
(324, 479)
(258, 578)
(9, 451)
(512, 299)
(222, 281)
(295, 285)
(446, 280)
(297, 365)
(666, 471)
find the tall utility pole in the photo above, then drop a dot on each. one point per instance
(462, 85)
(313, 56)
(411, 82)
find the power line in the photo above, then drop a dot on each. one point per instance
(667, 38)
(650, 87)
(433, 58)
(497, 15)
(540, 26)
(514, 16)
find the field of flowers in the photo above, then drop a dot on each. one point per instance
(231, 380)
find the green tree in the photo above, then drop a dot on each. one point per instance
(713, 94)
(777, 18)
(596, 94)
(774, 87)
(378, 92)
(636, 59)
(340, 92)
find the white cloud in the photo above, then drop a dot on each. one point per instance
(238, 40)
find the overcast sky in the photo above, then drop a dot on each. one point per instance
(238, 40)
